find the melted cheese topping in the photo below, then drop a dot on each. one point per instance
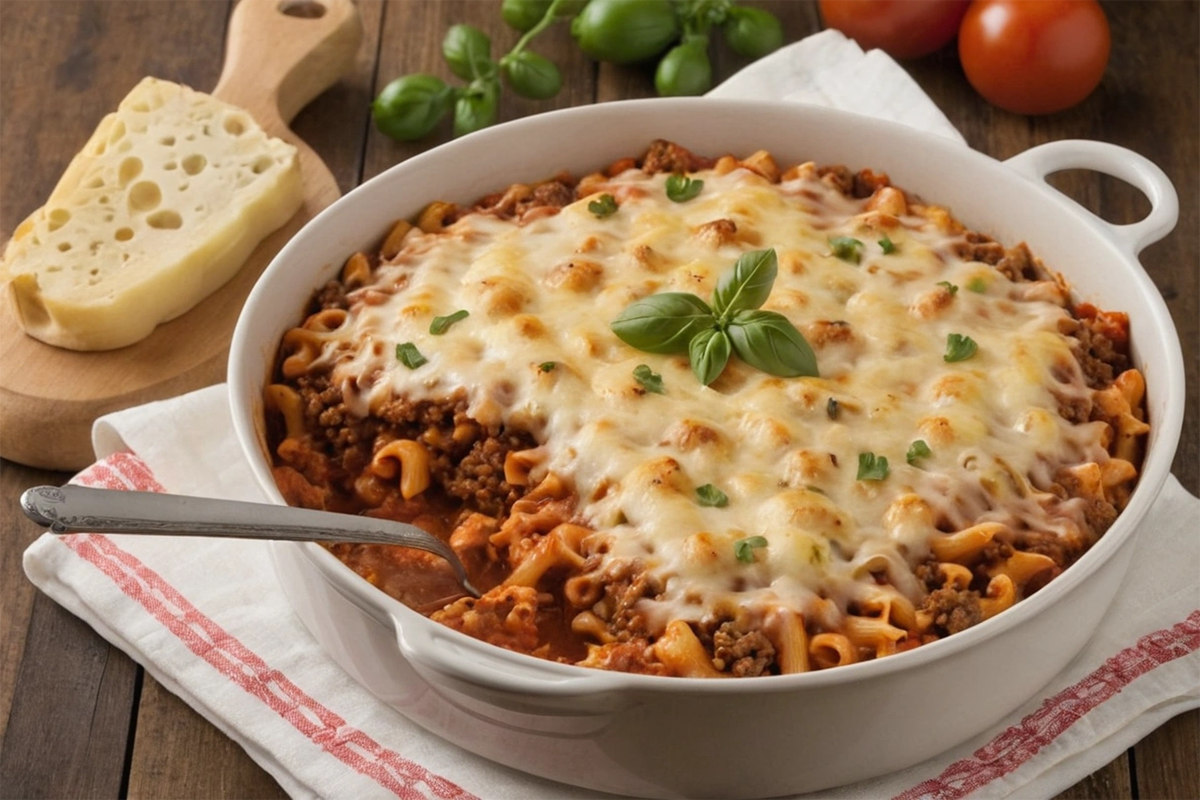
(547, 290)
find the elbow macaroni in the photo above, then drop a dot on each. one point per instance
(585, 504)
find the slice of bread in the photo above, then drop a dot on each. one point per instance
(162, 206)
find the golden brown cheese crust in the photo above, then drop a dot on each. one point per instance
(521, 435)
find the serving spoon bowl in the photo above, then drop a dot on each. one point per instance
(80, 509)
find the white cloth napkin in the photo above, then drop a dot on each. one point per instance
(210, 623)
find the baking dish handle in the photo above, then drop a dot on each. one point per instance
(498, 674)
(1038, 162)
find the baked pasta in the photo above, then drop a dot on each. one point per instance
(922, 430)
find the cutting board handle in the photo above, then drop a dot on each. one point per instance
(280, 54)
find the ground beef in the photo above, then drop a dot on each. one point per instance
(478, 479)
(553, 193)
(1073, 408)
(624, 586)
(860, 185)
(664, 156)
(1099, 358)
(978, 247)
(331, 295)
(1018, 264)
(742, 654)
(953, 609)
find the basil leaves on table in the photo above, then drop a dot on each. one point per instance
(679, 322)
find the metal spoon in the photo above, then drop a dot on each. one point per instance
(80, 509)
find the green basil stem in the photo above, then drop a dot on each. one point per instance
(545, 22)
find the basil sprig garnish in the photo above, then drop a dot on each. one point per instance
(959, 347)
(679, 322)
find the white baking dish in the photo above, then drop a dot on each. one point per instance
(668, 737)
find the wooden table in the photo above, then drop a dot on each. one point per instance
(80, 719)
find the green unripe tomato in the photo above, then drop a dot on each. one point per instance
(410, 107)
(467, 51)
(531, 75)
(625, 31)
(475, 109)
(685, 70)
(752, 32)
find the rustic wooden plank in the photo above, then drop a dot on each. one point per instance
(73, 698)
(16, 592)
(69, 63)
(177, 753)
(1110, 782)
(411, 42)
(1167, 762)
(65, 65)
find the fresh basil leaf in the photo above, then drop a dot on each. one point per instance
(950, 287)
(977, 285)
(917, 450)
(547, 366)
(475, 109)
(709, 495)
(959, 347)
(769, 341)
(709, 352)
(681, 188)
(663, 323)
(648, 379)
(743, 549)
(603, 206)
(408, 355)
(442, 324)
(847, 248)
(887, 245)
(872, 467)
(466, 50)
(748, 284)
(832, 408)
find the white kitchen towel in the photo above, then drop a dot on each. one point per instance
(207, 619)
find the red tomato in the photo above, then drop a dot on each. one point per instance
(1034, 57)
(901, 28)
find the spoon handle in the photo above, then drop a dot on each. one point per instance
(76, 509)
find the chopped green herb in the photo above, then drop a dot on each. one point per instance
(832, 408)
(847, 248)
(918, 450)
(442, 324)
(709, 495)
(681, 188)
(872, 467)
(950, 287)
(816, 489)
(649, 380)
(888, 245)
(408, 355)
(603, 206)
(743, 549)
(977, 285)
(547, 366)
(959, 347)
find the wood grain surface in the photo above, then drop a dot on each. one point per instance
(275, 63)
(77, 717)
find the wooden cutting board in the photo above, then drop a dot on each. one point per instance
(280, 54)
